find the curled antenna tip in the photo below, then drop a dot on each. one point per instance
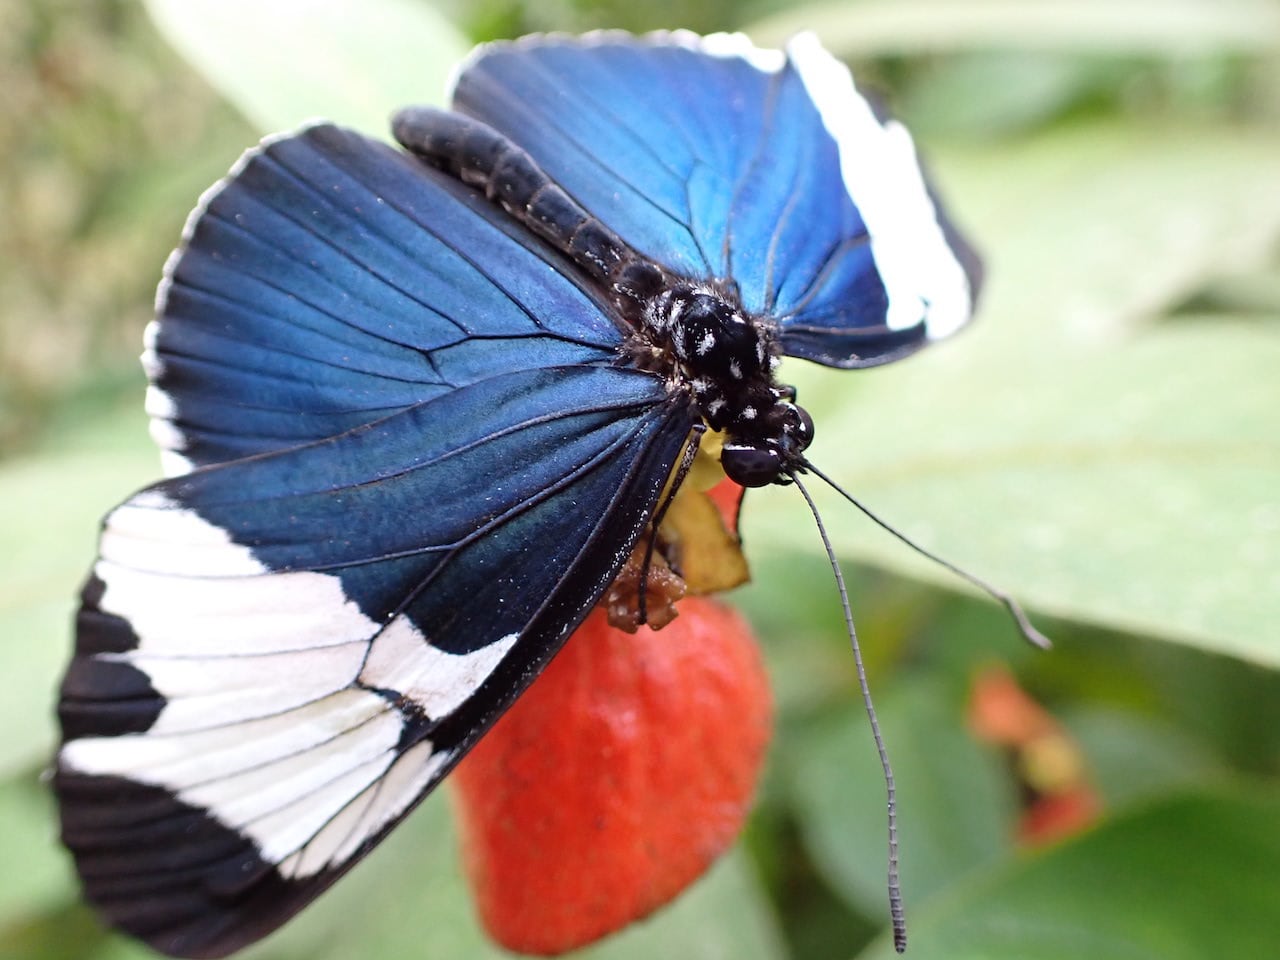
(1025, 627)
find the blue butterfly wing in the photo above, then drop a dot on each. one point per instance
(278, 655)
(721, 160)
(330, 281)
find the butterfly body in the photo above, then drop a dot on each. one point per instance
(417, 409)
(695, 334)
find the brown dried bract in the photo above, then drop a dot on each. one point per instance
(662, 589)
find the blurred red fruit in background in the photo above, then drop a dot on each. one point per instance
(1058, 797)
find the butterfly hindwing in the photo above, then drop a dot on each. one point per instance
(279, 655)
(722, 160)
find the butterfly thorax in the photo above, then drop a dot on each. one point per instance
(699, 336)
(694, 334)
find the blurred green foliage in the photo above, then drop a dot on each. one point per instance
(105, 137)
(1105, 443)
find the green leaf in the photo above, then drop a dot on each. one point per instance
(408, 894)
(724, 916)
(985, 94)
(955, 804)
(35, 875)
(1131, 757)
(1102, 464)
(54, 499)
(1169, 27)
(282, 62)
(1189, 877)
(409, 899)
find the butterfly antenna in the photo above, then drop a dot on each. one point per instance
(1029, 632)
(895, 886)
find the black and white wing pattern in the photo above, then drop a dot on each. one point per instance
(723, 160)
(278, 655)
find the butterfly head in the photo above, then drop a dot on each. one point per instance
(769, 453)
(728, 359)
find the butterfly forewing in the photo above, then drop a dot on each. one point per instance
(277, 656)
(332, 281)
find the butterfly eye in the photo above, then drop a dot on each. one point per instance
(751, 466)
(799, 426)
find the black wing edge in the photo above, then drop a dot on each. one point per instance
(205, 891)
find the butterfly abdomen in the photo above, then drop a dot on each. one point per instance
(483, 158)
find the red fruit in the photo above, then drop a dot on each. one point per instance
(1060, 815)
(615, 780)
(1001, 712)
(727, 496)
(1058, 797)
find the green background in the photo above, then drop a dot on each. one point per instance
(1105, 443)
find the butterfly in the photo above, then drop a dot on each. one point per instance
(419, 406)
